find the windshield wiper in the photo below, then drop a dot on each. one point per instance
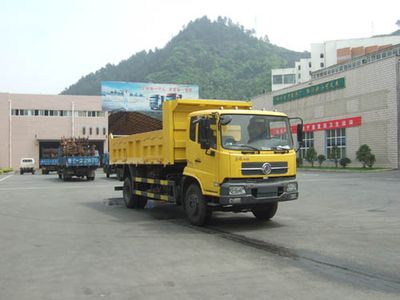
(281, 148)
(245, 146)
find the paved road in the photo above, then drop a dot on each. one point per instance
(75, 240)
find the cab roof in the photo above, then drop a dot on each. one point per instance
(238, 112)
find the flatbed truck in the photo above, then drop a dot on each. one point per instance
(210, 155)
(79, 166)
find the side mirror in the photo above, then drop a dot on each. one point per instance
(300, 134)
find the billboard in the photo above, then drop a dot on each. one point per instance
(138, 96)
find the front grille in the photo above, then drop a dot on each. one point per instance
(255, 168)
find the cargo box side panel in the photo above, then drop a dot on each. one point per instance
(142, 148)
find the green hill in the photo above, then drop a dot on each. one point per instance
(224, 59)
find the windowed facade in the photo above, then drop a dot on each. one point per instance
(308, 143)
(55, 113)
(336, 137)
(289, 78)
(277, 79)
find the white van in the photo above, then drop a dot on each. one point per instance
(27, 165)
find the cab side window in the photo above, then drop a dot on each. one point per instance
(192, 129)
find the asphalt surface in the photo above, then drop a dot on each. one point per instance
(76, 240)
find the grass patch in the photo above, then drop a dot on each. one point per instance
(340, 169)
(5, 170)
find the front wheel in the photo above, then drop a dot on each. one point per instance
(266, 212)
(196, 207)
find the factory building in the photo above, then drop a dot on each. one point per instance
(347, 105)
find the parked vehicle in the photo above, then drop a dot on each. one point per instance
(77, 158)
(210, 155)
(107, 168)
(27, 165)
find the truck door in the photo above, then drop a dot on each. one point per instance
(204, 162)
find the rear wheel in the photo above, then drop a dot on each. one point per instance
(266, 212)
(196, 207)
(131, 200)
(65, 175)
(21, 172)
(59, 176)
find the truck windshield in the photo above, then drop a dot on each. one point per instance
(255, 132)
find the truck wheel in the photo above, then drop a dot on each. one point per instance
(64, 176)
(131, 200)
(59, 176)
(21, 172)
(33, 172)
(108, 174)
(196, 207)
(266, 212)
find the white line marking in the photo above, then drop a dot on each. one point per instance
(6, 177)
(54, 188)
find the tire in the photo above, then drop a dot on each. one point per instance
(64, 175)
(196, 207)
(59, 176)
(33, 172)
(131, 200)
(108, 174)
(266, 212)
(21, 172)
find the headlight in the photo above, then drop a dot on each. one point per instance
(291, 187)
(236, 190)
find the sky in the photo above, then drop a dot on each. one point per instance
(47, 45)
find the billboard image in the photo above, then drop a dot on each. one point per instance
(138, 96)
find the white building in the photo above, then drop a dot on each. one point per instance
(330, 53)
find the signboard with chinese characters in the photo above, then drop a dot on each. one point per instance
(142, 97)
(324, 87)
(330, 124)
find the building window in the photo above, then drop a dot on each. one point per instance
(277, 79)
(298, 76)
(289, 78)
(336, 137)
(84, 130)
(104, 131)
(309, 64)
(299, 67)
(90, 130)
(97, 130)
(321, 64)
(308, 143)
(321, 55)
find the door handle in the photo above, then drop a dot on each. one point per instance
(198, 160)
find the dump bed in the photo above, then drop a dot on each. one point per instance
(165, 146)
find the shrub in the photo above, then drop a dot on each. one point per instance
(311, 156)
(371, 160)
(321, 158)
(363, 155)
(344, 161)
(299, 161)
(335, 155)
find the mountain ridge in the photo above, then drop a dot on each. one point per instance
(224, 59)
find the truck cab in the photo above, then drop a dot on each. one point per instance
(241, 160)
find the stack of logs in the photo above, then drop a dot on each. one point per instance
(50, 153)
(77, 147)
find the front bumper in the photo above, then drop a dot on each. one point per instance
(258, 192)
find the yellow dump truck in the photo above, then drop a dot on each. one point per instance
(210, 155)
